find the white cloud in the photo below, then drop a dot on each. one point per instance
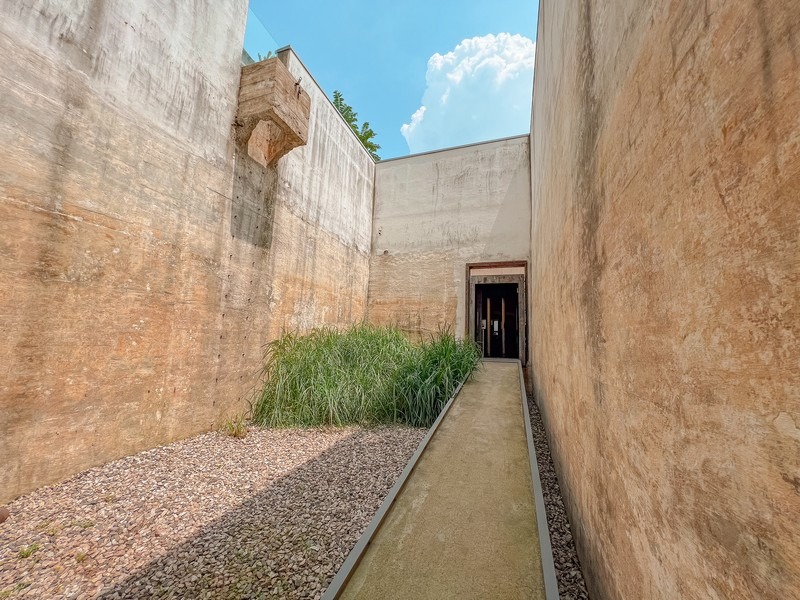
(481, 90)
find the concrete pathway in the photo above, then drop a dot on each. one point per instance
(464, 523)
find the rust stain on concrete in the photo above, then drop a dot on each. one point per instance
(143, 262)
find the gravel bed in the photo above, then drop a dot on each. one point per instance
(271, 515)
(571, 585)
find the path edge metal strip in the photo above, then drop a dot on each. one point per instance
(351, 562)
(545, 546)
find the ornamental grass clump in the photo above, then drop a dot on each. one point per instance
(364, 375)
(330, 377)
(423, 386)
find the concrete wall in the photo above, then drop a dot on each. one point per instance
(436, 212)
(144, 260)
(323, 221)
(665, 295)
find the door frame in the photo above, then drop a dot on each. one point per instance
(522, 295)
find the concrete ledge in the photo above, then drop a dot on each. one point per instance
(460, 147)
(545, 546)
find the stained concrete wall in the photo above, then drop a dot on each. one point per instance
(436, 212)
(144, 261)
(665, 295)
(323, 222)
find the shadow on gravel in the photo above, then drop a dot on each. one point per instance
(571, 585)
(288, 540)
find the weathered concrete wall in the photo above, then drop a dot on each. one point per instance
(436, 212)
(144, 261)
(665, 295)
(323, 221)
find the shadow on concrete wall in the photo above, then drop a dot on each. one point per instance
(510, 220)
(274, 540)
(253, 205)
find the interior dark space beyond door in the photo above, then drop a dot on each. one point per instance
(497, 319)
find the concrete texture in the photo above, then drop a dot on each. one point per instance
(464, 524)
(323, 218)
(273, 112)
(144, 261)
(665, 304)
(436, 212)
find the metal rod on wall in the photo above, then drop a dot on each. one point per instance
(503, 325)
(489, 327)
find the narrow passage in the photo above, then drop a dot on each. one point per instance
(464, 524)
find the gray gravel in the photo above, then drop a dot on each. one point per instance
(571, 585)
(271, 515)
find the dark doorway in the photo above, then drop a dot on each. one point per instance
(497, 319)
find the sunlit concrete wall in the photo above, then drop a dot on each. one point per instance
(323, 222)
(144, 260)
(434, 214)
(665, 290)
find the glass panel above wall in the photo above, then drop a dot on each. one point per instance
(258, 41)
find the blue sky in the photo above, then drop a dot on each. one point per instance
(382, 57)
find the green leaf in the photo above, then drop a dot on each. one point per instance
(365, 134)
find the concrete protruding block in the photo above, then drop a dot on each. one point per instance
(273, 111)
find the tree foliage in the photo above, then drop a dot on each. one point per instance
(365, 133)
